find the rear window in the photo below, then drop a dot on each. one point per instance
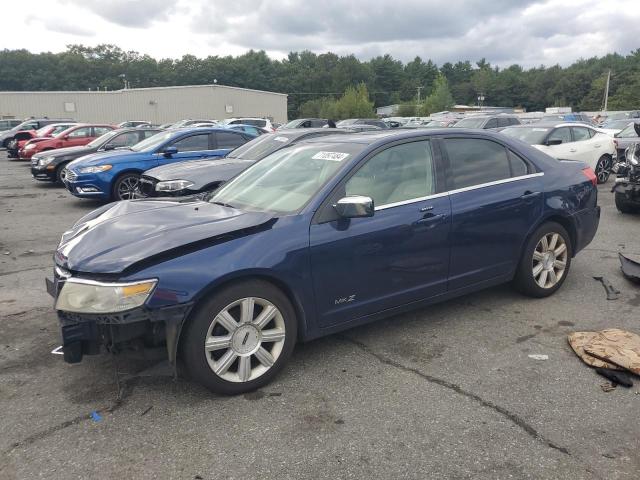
(255, 123)
(229, 140)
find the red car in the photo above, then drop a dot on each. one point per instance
(21, 138)
(75, 136)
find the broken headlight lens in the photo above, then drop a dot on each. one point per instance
(84, 296)
(173, 185)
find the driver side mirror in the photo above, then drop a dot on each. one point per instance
(555, 141)
(109, 146)
(169, 151)
(354, 206)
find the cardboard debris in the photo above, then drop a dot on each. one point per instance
(616, 346)
(578, 340)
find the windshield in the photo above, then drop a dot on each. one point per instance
(471, 122)
(260, 147)
(530, 135)
(628, 132)
(103, 139)
(291, 124)
(349, 121)
(43, 131)
(153, 142)
(619, 124)
(286, 180)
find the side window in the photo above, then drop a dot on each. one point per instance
(492, 123)
(229, 140)
(81, 132)
(504, 122)
(580, 134)
(146, 134)
(30, 126)
(193, 143)
(124, 139)
(561, 133)
(476, 161)
(514, 121)
(99, 131)
(518, 166)
(397, 174)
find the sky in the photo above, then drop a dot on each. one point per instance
(526, 32)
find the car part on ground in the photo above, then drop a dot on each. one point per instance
(428, 224)
(630, 268)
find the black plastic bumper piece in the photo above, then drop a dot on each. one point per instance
(78, 340)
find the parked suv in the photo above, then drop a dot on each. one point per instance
(488, 122)
(9, 124)
(30, 124)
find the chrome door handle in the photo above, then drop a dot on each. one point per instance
(597, 146)
(426, 209)
(572, 150)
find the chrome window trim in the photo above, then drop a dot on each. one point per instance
(411, 200)
(496, 182)
(458, 190)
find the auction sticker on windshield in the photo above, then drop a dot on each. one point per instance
(333, 156)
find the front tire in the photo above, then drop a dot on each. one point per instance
(239, 338)
(126, 187)
(545, 261)
(603, 168)
(624, 205)
(60, 174)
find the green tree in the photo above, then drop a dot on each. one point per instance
(440, 99)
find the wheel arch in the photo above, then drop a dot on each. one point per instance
(240, 277)
(566, 222)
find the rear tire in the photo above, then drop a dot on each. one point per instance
(603, 168)
(624, 205)
(239, 338)
(545, 261)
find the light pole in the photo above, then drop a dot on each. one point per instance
(480, 100)
(124, 79)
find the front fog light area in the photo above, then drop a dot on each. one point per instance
(173, 185)
(95, 297)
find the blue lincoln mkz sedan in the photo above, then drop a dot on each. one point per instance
(318, 237)
(114, 175)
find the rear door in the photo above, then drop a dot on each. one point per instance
(227, 141)
(496, 196)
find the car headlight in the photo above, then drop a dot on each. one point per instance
(45, 161)
(173, 185)
(84, 296)
(101, 168)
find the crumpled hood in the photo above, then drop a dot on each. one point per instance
(117, 236)
(200, 172)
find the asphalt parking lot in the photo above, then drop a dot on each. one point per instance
(444, 392)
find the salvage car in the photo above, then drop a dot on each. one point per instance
(355, 123)
(115, 175)
(627, 186)
(50, 166)
(626, 137)
(29, 124)
(196, 176)
(74, 136)
(487, 122)
(328, 234)
(305, 123)
(570, 141)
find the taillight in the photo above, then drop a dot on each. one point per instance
(591, 175)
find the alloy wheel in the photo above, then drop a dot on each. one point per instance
(245, 339)
(603, 169)
(128, 188)
(549, 260)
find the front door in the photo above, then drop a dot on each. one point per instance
(365, 265)
(496, 197)
(189, 148)
(78, 137)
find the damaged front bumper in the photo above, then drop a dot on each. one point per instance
(85, 334)
(628, 188)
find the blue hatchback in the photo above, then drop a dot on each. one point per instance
(320, 236)
(114, 175)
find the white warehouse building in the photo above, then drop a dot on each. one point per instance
(156, 105)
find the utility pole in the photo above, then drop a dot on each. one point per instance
(606, 91)
(419, 88)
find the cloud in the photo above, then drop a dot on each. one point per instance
(129, 13)
(526, 32)
(59, 25)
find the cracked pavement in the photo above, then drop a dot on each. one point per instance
(444, 392)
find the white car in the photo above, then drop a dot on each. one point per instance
(255, 121)
(570, 141)
(611, 127)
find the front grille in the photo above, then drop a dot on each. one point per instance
(147, 186)
(70, 175)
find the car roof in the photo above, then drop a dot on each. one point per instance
(552, 125)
